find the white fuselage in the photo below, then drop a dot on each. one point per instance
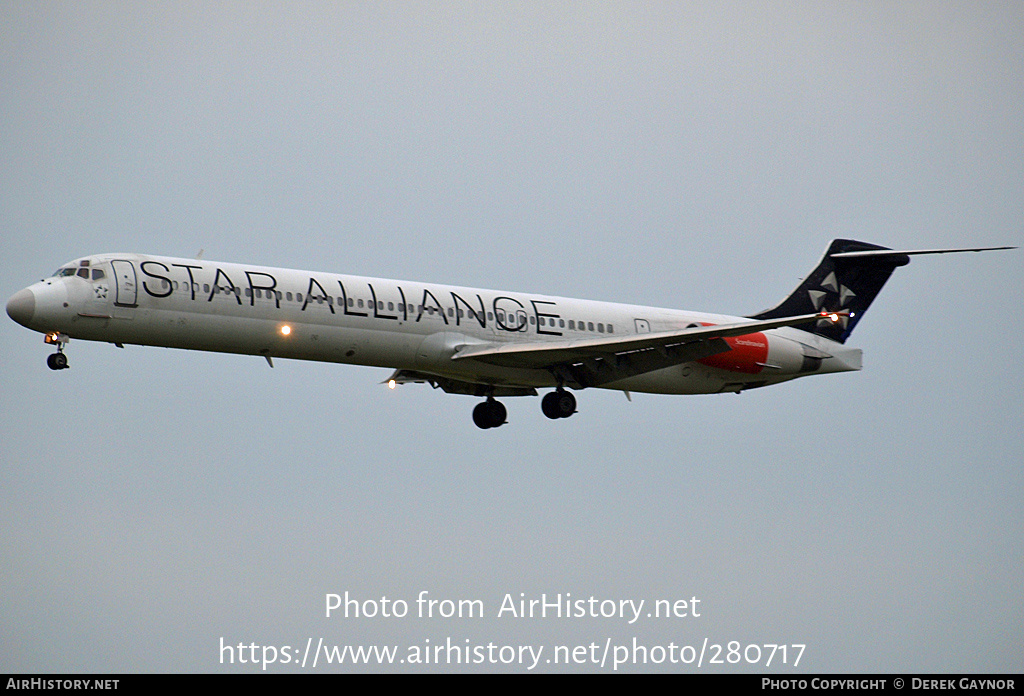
(284, 313)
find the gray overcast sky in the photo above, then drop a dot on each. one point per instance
(686, 155)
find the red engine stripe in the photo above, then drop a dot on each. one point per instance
(748, 354)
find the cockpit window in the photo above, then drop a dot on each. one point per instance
(82, 271)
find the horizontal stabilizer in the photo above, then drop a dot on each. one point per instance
(874, 253)
(848, 277)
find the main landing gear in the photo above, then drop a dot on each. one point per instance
(558, 404)
(57, 361)
(489, 414)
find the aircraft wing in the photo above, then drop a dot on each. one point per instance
(594, 361)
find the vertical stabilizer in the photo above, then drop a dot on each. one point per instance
(840, 283)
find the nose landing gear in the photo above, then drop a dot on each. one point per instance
(57, 361)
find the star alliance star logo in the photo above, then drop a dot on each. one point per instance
(101, 292)
(831, 286)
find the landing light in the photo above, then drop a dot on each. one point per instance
(286, 330)
(391, 384)
(834, 317)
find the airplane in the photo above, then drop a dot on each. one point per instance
(484, 343)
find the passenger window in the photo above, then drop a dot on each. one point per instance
(206, 287)
(572, 324)
(360, 304)
(611, 329)
(288, 296)
(600, 328)
(391, 306)
(590, 326)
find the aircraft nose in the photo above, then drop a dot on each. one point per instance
(22, 306)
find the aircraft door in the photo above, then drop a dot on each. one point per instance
(127, 293)
(642, 326)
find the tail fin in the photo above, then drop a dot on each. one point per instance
(840, 282)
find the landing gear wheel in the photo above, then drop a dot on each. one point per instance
(481, 417)
(57, 361)
(558, 404)
(549, 407)
(489, 414)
